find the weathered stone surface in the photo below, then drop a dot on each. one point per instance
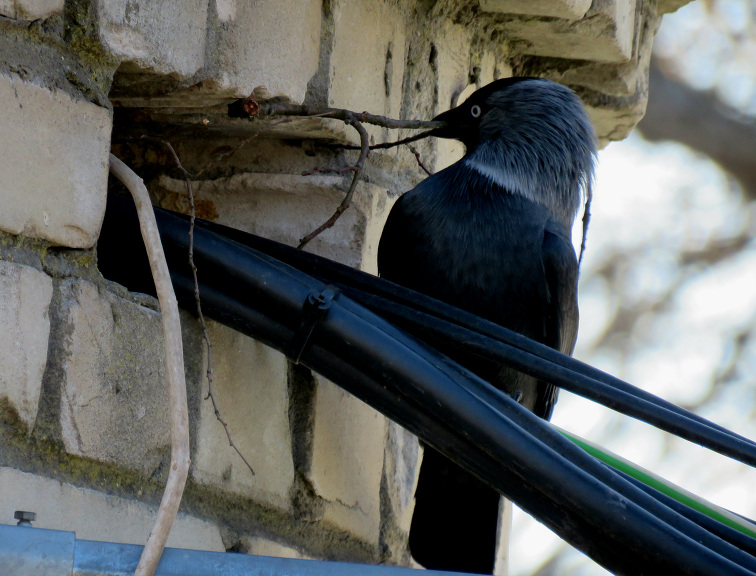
(166, 36)
(668, 6)
(286, 207)
(270, 44)
(453, 65)
(605, 34)
(94, 515)
(114, 398)
(503, 531)
(613, 125)
(347, 460)
(30, 9)
(264, 547)
(249, 382)
(367, 70)
(53, 164)
(25, 295)
(567, 9)
(626, 84)
(400, 468)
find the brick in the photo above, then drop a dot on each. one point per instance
(286, 207)
(453, 64)
(503, 536)
(165, 36)
(605, 34)
(567, 9)
(366, 70)
(401, 467)
(94, 515)
(270, 44)
(613, 125)
(30, 9)
(264, 547)
(114, 398)
(53, 164)
(250, 386)
(25, 295)
(347, 460)
(669, 6)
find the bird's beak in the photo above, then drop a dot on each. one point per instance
(446, 131)
(458, 125)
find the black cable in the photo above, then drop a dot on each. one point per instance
(590, 511)
(438, 331)
(595, 509)
(580, 378)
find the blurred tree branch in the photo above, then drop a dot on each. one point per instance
(703, 122)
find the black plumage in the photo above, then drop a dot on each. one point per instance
(491, 234)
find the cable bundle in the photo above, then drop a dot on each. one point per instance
(377, 342)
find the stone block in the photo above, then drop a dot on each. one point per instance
(114, 398)
(286, 207)
(452, 61)
(164, 36)
(503, 536)
(347, 460)
(264, 547)
(250, 387)
(617, 80)
(270, 44)
(401, 467)
(567, 9)
(25, 295)
(613, 125)
(53, 164)
(366, 70)
(669, 6)
(94, 515)
(605, 34)
(30, 9)
(625, 80)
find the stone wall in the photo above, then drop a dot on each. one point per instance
(84, 439)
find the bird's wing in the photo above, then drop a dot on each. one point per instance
(403, 242)
(561, 323)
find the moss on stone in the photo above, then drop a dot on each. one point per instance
(235, 515)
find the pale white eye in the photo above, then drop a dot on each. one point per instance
(475, 111)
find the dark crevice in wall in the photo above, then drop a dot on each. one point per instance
(302, 388)
(318, 86)
(47, 427)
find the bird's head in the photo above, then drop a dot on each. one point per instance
(531, 135)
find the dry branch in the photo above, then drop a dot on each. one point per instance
(251, 108)
(198, 302)
(365, 141)
(416, 154)
(275, 108)
(174, 362)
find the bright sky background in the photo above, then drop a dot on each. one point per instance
(656, 200)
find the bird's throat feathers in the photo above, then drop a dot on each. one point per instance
(553, 183)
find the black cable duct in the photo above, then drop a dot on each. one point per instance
(627, 529)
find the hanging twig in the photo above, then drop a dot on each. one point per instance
(365, 140)
(419, 162)
(200, 315)
(251, 108)
(586, 219)
(174, 362)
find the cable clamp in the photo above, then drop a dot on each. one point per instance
(314, 310)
